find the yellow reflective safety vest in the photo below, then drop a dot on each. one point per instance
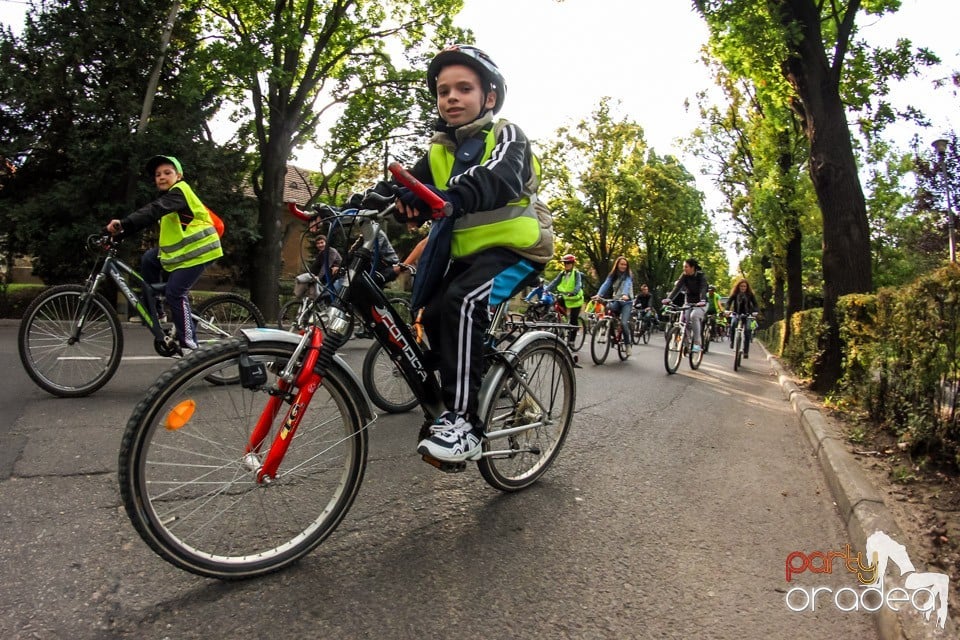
(197, 243)
(568, 282)
(519, 225)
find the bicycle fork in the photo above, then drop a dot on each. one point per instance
(307, 380)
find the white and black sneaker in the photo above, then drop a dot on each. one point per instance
(452, 439)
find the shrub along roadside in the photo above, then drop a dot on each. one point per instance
(901, 361)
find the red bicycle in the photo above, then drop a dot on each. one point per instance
(238, 480)
(556, 319)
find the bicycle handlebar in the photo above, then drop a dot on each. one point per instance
(435, 202)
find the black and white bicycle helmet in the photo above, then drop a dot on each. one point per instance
(477, 60)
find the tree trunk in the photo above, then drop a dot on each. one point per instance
(833, 169)
(794, 261)
(264, 288)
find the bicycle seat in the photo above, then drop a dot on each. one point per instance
(159, 287)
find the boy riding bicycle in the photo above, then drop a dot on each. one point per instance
(569, 285)
(188, 240)
(499, 233)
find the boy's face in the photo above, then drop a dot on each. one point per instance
(460, 96)
(165, 177)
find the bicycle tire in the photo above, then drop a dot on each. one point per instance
(707, 337)
(195, 501)
(403, 309)
(635, 325)
(58, 367)
(737, 351)
(673, 350)
(646, 330)
(546, 368)
(227, 314)
(696, 358)
(385, 385)
(287, 316)
(622, 345)
(600, 342)
(581, 334)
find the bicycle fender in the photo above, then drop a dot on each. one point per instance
(498, 369)
(261, 334)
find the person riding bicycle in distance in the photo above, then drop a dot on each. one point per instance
(693, 285)
(714, 304)
(188, 241)
(741, 302)
(619, 286)
(498, 236)
(568, 284)
(324, 268)
(643, 303)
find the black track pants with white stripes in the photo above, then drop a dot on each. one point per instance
(457, 317)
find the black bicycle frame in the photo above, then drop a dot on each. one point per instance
(112, 266)
(363, 295)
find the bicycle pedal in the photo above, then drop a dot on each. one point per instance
(446, 467)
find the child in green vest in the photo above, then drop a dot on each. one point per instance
(188, 240)
(499, 235)
(569, 284)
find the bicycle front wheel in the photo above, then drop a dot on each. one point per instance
(645, 330)
(385, 385)
(190, 487)
(581, 334)
(737, 350)
(600, 342)
(538, 390)
(673, 350)
(288, 314)
(696, 357)
(65, 368)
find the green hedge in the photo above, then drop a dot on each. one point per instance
(901, 360)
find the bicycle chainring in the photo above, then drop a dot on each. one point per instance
(166, 347)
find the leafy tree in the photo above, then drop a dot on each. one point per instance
(814, 46)
(305, 63)
(611, 195)
(72, 91)
(756, 148)
(589, 169)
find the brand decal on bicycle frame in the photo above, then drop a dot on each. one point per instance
(383, 316)
(291, 418)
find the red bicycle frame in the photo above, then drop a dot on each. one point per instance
(372, 305)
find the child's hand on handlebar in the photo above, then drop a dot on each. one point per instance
(413, 209)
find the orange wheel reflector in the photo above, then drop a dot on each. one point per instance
(180, 415)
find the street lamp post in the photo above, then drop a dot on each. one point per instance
(941, 147)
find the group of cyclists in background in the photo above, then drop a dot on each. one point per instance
(709, 316)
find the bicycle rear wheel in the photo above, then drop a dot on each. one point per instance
(225, 315)
(385, 385)
(191, 491)
(600, 342)
(707, 336)
(538, 389)
(673, 350)
(645, 330)
(43, 340)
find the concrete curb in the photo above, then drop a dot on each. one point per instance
(861, 506)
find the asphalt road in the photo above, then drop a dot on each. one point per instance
(669, 514)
